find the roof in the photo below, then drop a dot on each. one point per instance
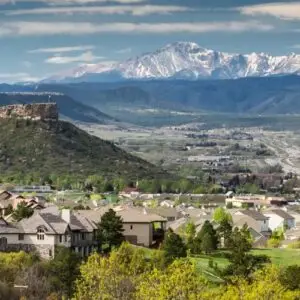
(254, 214)
(128, 215)
(281, 213)
(165, 212)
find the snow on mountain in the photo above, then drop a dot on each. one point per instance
(185, 60)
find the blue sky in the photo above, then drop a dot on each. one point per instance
(39, 38)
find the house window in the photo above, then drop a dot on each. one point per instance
(83, 236)
(131, 227)
(21, 237)
(66, 237)
(50, 252)
(40, 234)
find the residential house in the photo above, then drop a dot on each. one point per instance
(140, 227)
(254, 200)
(292, 234)
(279, 219)
(253, 219)
(47, 229)
(171, 214)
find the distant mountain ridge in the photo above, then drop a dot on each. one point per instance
(185, 60)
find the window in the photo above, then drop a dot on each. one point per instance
(40, 234)
(60, 238)
(50, 252)
(21, 237)
(66, 237)
(131, 227)
(83, 236)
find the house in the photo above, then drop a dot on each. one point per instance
(278, 218)
(130, 192)
(140, 227)
(5, 201)
(292, 234)
(254, 200)
(171, 214)
(253, 219)
(167, 203)
(45, 230)
(48, 228)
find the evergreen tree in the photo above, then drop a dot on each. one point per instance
(207, 243)
(110, 230)
(173, 247)
(208, 232)
(224, 232)
(22, 212)
(241, 262)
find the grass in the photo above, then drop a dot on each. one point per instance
(39, 150)
(281, 257)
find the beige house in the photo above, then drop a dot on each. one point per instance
(48, 228)
(140, 228)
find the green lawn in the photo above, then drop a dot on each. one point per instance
(282, 257)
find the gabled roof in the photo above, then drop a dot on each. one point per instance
(281, 213)
(128, 215)
(253, 214)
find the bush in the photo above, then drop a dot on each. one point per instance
(294, 245)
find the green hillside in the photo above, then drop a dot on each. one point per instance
(43, 149)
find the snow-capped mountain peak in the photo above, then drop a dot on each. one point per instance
(186, 60)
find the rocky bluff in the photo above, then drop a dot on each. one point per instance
(36, 111)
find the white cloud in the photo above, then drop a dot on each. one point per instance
(137, 10)
(62, 49)
(86, 57)
(285, 11)
(17, 77)
(27, 64)
(80, 28)
(124, 51)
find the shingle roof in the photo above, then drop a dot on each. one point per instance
(254, 215)
(281, 213)
(128, 215)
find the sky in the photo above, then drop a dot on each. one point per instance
(40, 38)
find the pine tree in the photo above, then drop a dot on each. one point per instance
(173, 247)
(110, 230)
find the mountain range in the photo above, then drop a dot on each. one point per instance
(184, 60)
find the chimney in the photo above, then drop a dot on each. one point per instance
(66, 215)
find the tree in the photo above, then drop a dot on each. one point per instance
(63, 271)
(221, 215)
(173, 246)
(189, 234)
(207, 243)
(110, 230)
(290, 277)
(179, 281)
(112, 277)
(22, 211)
(224, 232)
(265, 285)
(207, 239)
(242, 263)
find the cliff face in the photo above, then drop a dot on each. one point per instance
(38, 111)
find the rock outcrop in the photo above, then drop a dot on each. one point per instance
(36, 111)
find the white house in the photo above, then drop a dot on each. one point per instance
(261, 221)
(279, 219)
